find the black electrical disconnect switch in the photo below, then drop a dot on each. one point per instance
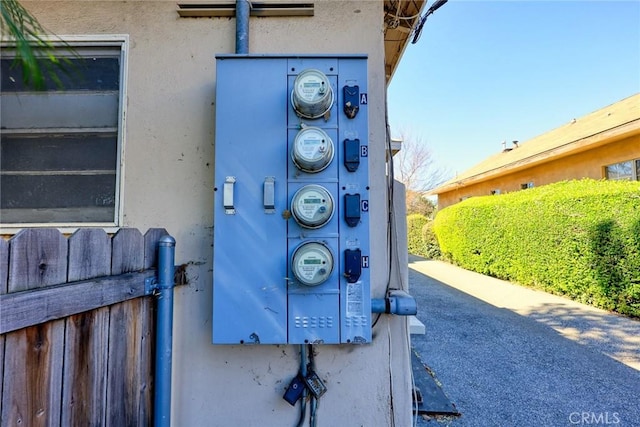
(352, 209)
(352, 265)
(351, 96)
(351, 154)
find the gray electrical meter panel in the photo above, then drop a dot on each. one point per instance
(291, 205)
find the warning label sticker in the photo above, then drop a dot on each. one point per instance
(355, 298)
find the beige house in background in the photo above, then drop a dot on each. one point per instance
(602, 145)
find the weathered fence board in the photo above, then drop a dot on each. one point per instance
(27, 308)
(151, 238)
(87, 335)
(4, 275)
(33, 357)
(89, 254)
(127, 251)
(85, 362)
(126, 350)
(38, 258)
(94, 365)
(4, 265)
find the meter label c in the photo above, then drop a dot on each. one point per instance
(364, 205)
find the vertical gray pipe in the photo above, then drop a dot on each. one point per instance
(243, 9)
(164, 332)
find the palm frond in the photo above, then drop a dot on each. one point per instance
(34, 52)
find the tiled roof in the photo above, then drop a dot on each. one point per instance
(603, 125)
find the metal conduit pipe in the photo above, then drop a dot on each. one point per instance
(164, 332)
(303, 373)
(396, 302)
(243, 10)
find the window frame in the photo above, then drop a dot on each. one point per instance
(635, 170)
(86, 43)
(527, 185)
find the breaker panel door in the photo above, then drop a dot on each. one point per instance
(250, 261)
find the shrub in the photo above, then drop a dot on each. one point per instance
(415, 222)
(421, 238)
(575, 238)
(430, 242)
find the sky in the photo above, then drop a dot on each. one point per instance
(484, 72)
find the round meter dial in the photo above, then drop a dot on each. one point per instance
(312, 95)
(312, 263)
(312, 150)
(312, 206)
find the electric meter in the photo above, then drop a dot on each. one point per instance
(312, 150)
(312, 206)
(312, 263)
(312, 96)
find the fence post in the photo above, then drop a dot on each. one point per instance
(164, 333)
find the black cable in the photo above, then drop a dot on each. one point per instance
(418, 31)
(313, 406)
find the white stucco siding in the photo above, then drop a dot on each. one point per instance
(168, 166)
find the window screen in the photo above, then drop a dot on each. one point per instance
(59, 147)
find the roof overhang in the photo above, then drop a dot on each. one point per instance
(607, 136)
(400, 16)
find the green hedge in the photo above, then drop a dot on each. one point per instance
(575, 238)
(421, 238)
(415, 222)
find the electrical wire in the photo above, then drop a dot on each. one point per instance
(417, 31)
(392, 231)
(313, 415)
(393, 412)
(398, 16)
(303, 373)
(405, 18)
(390, 196)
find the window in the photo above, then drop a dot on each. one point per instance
(495, 192)
(629, 171)
(60, 148)
(526, 185)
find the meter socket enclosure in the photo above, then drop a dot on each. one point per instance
(291, 224)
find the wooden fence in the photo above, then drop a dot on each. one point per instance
(77, 331)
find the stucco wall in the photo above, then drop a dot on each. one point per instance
(168, 170)
(588, 164)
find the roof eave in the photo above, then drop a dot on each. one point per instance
(396, 39)
(574, 147)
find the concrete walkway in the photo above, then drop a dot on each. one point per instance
(512, 356)
(616, 336)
